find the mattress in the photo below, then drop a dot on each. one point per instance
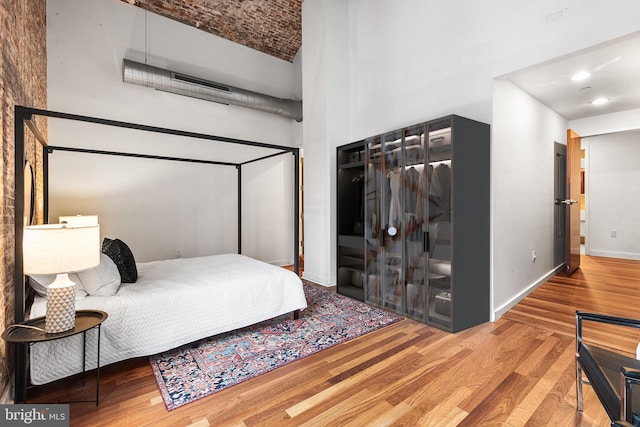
(173, 302)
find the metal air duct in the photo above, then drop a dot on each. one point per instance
(181, 84)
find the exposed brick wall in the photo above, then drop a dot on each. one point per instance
(273, 27)
(23, 81)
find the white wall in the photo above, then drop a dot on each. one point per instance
(265, 208)
(522, 172)
(157, 207)
(86, 42)
(607, 123)
(417, 60)
(325, 126)
(613, 194)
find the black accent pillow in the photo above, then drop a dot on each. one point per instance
(122, 256)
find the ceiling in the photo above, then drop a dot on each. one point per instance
(615, 75)
(273, 27)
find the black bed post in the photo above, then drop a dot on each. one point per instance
(45, 183)
(19, 303)
(296, 211)
(19, 117)
(239, 168)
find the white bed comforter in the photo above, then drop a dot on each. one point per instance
(173, 303)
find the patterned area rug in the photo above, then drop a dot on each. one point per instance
(197, 370)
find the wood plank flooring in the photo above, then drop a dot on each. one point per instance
(518, 371)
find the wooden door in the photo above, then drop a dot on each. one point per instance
(560, 208)
(572, 202)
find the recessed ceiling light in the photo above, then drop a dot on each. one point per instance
(580, 76)
(600, 101)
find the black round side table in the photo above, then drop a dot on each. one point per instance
(32, 331)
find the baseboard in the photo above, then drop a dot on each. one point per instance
(498, 313)
(316, 279)
(6, 398)
(612, 254)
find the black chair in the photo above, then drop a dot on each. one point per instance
(611, 375)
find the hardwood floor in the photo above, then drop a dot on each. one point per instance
(517, 371)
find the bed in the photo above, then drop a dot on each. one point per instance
(172, 303)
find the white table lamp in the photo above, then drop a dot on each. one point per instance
(60, 249)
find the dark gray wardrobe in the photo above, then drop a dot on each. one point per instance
(413, 222)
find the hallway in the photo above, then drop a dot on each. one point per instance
(601, 285)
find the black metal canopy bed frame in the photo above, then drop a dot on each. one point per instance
(25, 116)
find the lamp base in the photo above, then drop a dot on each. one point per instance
(61, 305)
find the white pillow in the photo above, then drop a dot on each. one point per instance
(40, 282)
(103, 280)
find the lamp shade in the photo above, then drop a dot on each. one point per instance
(59, 248)
(78, 219)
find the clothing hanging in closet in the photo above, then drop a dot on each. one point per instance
(440, 193)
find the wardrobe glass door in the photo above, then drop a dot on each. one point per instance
(384, 221)
(374, 182)
(415, 256)
(439, 155)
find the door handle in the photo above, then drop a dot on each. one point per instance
(566, 202)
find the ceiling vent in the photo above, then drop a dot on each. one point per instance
(181, 84)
